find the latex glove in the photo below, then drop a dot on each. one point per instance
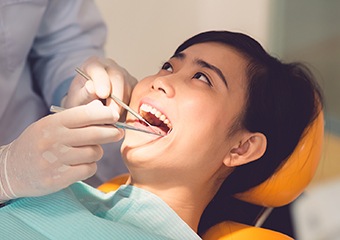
(107, 77)
(56, 151)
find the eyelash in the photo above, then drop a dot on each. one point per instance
(197, 75)
(166, 65)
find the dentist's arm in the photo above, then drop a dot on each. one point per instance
(56, 151)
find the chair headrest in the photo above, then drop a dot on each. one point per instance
(229, 230)
(292, 178)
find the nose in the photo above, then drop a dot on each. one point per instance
(163, 84)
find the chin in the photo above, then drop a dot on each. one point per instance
(141, 149)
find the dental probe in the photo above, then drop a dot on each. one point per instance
(56, 109)
(121, 103)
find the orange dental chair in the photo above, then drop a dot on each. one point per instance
(279, 190)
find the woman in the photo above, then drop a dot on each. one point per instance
(227, 109)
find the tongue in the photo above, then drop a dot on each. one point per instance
(152, 119)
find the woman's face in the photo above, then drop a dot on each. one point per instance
(197, 94)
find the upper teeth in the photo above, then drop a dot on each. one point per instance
(147, 108)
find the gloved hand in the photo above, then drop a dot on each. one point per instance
(56, 151)
(107, 77)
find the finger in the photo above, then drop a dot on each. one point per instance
(81, 155)
(76, 173)
(81, 91)
(93, 135)
(94, 113)
(89, 86)
(86, 93)
(118, 84)
(97, 72)
(113, 105)
(116, 78)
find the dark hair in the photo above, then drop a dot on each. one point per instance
(283, 99)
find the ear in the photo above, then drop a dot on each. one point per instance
(251, 148)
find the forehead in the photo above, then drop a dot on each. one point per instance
(216, 52)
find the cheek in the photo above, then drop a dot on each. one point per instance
(204, 123)
(141, 85)
(200, 112)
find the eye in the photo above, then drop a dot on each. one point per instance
(167, 66)
(202, 77)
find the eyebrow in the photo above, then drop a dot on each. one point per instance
(204, 64)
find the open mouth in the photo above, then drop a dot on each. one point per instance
(155, 118)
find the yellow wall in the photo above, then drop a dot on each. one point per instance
(329, 166)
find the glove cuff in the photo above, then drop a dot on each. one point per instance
(6, 192)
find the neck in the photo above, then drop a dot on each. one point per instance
(188, 198)
(188, 203)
